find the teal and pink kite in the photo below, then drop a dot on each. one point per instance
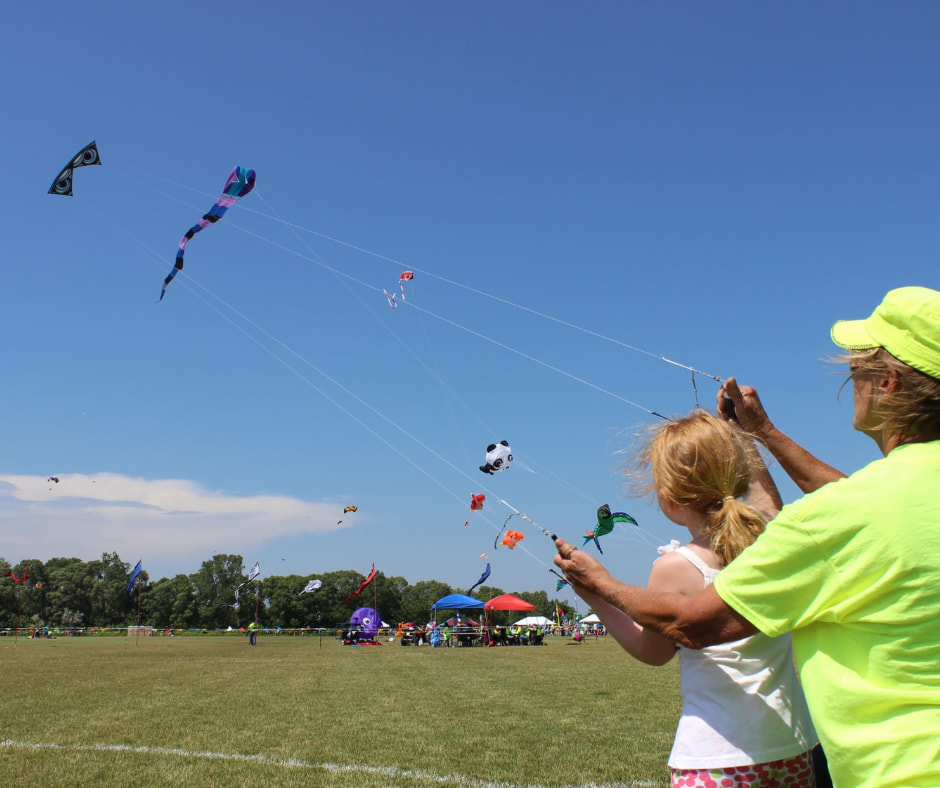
(240, 181)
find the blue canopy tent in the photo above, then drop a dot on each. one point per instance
(458, 602)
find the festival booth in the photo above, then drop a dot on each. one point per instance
(508, 602)
(499, 635)
(463, 635)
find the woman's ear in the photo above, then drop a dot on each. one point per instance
(889, 382)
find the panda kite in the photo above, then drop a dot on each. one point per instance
(498, 457)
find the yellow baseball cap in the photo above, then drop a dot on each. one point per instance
(906, 324)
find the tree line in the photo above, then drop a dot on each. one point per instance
(70, 592)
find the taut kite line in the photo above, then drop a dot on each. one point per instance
(240, 181)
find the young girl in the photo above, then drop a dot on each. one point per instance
(744, 719)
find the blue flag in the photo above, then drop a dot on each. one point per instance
(486, 574)
(130, 583)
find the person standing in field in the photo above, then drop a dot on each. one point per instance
(253, 633)
(852, 569)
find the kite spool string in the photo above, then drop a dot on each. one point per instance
(343, 275)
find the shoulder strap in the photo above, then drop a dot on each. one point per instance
(707, 572)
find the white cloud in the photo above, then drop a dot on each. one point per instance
(170, 521)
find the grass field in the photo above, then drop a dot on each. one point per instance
(300, 711)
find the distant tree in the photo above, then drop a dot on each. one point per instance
(170, 603)
(286, 606)
(417, 599)
(214, 586)
(69, 588)
(110, 603)
(14, 597)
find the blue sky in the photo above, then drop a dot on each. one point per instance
(578, 188)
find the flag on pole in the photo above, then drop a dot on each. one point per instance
(486, 574)
(362, 585)
(130, 583)
(18, 579)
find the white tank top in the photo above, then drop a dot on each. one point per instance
(742, 701)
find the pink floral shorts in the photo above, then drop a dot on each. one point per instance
(796, 772)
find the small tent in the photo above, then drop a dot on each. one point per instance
(591, 619)
(533, 621)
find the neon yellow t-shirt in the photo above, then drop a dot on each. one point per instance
(853, 570)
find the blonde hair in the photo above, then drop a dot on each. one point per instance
(913, 408)
(704, 463)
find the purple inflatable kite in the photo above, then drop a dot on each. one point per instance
(366, 622)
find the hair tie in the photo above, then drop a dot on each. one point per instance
(727, 498)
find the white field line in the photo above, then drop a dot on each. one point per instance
(293, 763)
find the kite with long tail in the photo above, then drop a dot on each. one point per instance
(362, 585)
(254, 574)
(605, 524)
(240, 181)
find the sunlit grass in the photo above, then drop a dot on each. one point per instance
(298, 711)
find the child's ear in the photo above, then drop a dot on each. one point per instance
(667, 504)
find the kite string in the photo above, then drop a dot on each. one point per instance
(338, 273)
(190, 283)
(446, 280)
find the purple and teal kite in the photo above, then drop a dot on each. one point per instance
(240, 182)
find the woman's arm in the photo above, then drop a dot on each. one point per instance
(671, 574)
(692, 621)
(808, 472)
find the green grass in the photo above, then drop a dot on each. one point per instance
(297, 711)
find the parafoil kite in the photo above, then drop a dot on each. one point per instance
(53, 479)
(347, 509)
(605, 524)
(84, 158)
(240, 181)
(476, 502)
(498, 457)
(313, 585)
(512, 538)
